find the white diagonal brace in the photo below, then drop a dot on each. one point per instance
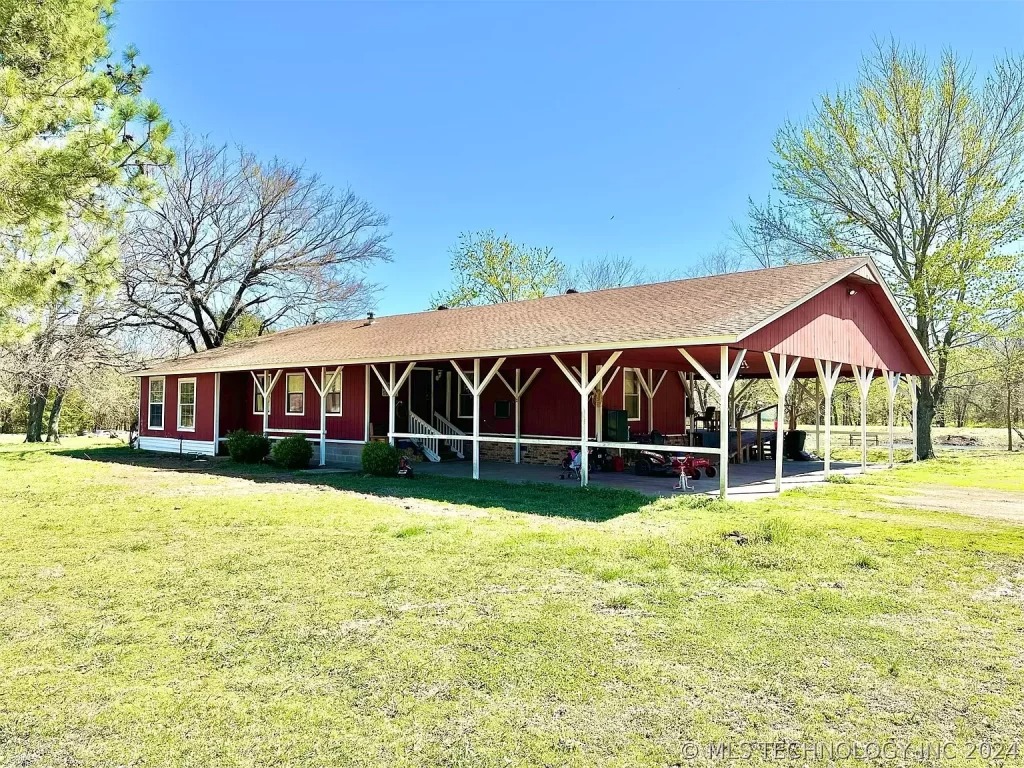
(463, 376)
(608, 382)
(568, 374)
(490, 375)
(601, 371)
(715, 384)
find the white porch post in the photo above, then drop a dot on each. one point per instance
(476, 418)
(476, 388)
(517, 391)
(585, 385)
(863, 374)
(817, 415)
(366, 405)
(266, 388)
(828, 375)
(721, 387)
(723, 424)
(782, 377)
(392, 387)
(912, 389)
(322, 387)
(892, 381)
(519, 431)
(216, 413)
(266, 401)
(584, 418)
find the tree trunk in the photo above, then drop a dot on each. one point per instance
(37, 398)
(1009, 419)
(53, 427)
(925, 414)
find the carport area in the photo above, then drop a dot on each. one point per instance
(747, 482)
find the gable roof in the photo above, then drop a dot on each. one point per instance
(720, 309)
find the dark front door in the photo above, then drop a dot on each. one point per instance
(421, 394)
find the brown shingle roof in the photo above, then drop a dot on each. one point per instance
(704, 309)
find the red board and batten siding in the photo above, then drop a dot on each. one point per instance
(237, 398)
(837, 326)
(204, 409)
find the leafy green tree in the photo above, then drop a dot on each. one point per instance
(920, 167)
(76, 135)
(490, 270)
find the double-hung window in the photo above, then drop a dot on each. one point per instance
(156, 402)
(332, 393)
(187, 405)
(630, 394)
(295, 389)
(257, 392)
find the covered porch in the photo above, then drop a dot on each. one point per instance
(748, 482)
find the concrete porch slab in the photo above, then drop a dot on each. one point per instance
(747, 482)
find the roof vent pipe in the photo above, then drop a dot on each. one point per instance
(369, 318)
(572, 290)
(443, 306)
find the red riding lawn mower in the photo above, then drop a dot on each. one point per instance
(654, 463)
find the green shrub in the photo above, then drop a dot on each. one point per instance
(247, 447)
(380, 459)
(292, 452)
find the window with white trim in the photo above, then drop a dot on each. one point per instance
(156, 402)
(631, 394)
(257, 394)
(464, 406)
(332, 393)
(295, 394)
(187, 405)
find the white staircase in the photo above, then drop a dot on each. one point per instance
(451, 434)
(426, 437)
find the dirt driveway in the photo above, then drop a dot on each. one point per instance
(997, 505)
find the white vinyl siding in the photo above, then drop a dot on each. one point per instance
(156, 402)
(295, 394)
(630, 394)
(187, 405)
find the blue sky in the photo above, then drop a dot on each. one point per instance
(632, 129)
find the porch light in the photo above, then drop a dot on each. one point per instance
(852, 291)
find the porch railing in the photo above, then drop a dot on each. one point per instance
(426, 437)
(452, 434)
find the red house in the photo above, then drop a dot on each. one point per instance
(525, 380)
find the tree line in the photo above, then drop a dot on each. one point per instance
(121, 241)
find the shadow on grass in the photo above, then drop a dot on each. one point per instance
(551, 500)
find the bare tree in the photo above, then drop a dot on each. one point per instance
(605, 272)
(233, 237)
(720, 261)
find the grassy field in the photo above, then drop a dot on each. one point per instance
(159, 612)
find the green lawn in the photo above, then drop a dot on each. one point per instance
(181, 614)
